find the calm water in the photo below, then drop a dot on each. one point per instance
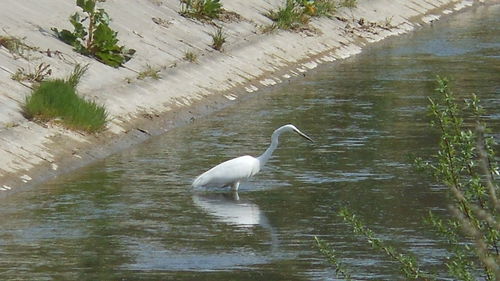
(134, 217)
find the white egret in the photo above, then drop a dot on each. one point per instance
(232, 172)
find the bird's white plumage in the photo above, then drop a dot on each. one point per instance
(231, 172)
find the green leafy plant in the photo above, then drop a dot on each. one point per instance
(57, 100)
(218, 39)
(96, 39)
(330, 254)
(466, 164)
(201, 9)
(407, 263)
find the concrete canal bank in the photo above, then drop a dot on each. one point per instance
(251, 60)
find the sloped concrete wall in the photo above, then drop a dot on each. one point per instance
(251, 60)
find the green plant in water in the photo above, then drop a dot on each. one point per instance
(466, 164)
(218, 39)
(407, 263)
(330, 254)
(96, 39)
(58, 100)
(201, 9)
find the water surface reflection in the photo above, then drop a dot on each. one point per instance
(133, 216)
(230, 209)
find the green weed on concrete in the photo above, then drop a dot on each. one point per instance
(290, 16)
(16, 46)
(218, 39)
(57, 100)
(95, 38)
(201, 9)
(296, 14)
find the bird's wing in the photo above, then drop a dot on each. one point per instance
(226, 173)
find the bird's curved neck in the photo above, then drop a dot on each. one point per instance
(269, 151)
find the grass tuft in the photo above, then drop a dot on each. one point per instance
(288, 17)
(57, 100)
(218, 39)
(201, 9)
(16, 46)
(77, 74)
(41, 72)
(325, 8)
(150, 72)
(190, 56)
(296, 14)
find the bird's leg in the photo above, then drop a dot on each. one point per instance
(236, 197)
(235, 185)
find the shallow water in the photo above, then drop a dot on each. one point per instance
(133, 216)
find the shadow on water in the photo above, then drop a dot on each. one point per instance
(133, 216)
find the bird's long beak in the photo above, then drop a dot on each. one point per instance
(303, 135)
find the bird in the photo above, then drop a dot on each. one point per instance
(231, 172)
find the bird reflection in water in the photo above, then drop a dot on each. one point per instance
(230, 209)
(227, 208)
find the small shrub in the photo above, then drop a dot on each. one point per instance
(41, 72)
(290, 16)
(331, 255)
(466, 164)
(150, 72)
(97, 39)
(58, 100)
(295, 14)
(218, 39)
(190, 56)
(16, 46)
(408, 264)
(201, 9)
